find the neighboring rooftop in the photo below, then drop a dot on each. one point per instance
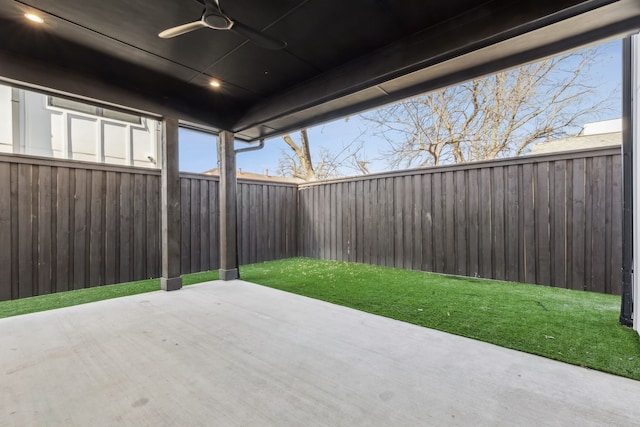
(606, 133)
(257, 176)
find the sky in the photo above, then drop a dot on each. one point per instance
(198, 150)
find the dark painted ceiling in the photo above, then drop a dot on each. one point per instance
(341, 56)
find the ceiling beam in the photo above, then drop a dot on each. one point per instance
(493, 37)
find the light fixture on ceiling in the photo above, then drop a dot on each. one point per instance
(34, 18)
(214, 83)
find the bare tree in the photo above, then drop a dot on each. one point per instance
(298, 162)
(496, 116)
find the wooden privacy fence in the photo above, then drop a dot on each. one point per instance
(69, 225)
(267, 222)
(552, 220)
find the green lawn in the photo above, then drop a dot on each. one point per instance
(573, 326)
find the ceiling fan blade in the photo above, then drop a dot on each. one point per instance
(257, 37)
(181, 29)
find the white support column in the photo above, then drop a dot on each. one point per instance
(228, 211)
(170, 205)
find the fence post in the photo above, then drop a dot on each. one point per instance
(228, 208)
(630, 154)
(170, 206)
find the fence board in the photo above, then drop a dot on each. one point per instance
(80, 224)
(416, 231)
(204, 226)
(126, 225)
(153, 229)
(528, 207)
(44, 218)
(96, 233)
(498, 223)
(6, 253)
(111, 228)
(486, 225)
(598, 223)
(578, 238)
(461, 224)
(427, 224)
(543, 256)
(63, 223)
(558, 197)
(513, 238)
(616, 226)
(185, 240)
(472, 223)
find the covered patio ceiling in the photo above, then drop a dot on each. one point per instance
(341, 56)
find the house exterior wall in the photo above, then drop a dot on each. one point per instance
(6, 117)
(32, 125)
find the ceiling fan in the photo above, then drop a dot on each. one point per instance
(213, 17)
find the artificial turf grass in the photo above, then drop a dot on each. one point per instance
(83, 296)
(576, 327)
(572, 326)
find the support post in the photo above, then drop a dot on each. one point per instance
(228, 214)
(171, 211)
(630, 157)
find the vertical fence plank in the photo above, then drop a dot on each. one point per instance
(578, 202)
(461, 224)
(427, 224)
(15, 235)
(588, 205)
(139, 219)
(62, 225)
(352, 221)
(243, 227)
(44, 242)
(498, 223)
(543, 256)
(25, 231)
(558, 224)
(416, 230)
(407, 222)
(185, 250)
(439, 236)
(5, 231)
(153, 249)
(486, 233)
(80, 224)
(472, 223)
(204, 226)
(616, 226)
(96, 233)
(528, 207)
(126, 227)
(598, 223)
(513, 239)
(214, 224)
(195, 235)
(449, 194)
(111, 228)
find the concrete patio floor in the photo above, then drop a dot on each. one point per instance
(238, 354)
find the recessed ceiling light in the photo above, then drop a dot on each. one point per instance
(214, 83)
(34, 18)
